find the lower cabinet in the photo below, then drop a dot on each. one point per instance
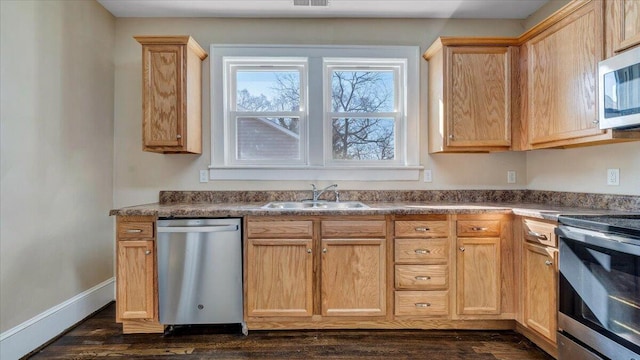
(280, 277)
(136, 275)
(303, 270)
(540, 281)
(538, 273)
(478, 277)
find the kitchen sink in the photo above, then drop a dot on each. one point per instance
(318, 205)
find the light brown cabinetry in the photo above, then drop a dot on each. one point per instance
(172, 94)
(484, 267)
(559, 79)
(300, 270)
(622, 25)
(539, 277)
(471, 84)
(136, 284)
(422, 274)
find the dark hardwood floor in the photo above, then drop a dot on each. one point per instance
(99, 336)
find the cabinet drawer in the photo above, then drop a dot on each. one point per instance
(539, 232)
(478, 228)
(421, 250)
(354, 228)
(420, 229)
(422, 277)
(135, 230)
(421, 303)
(279, 229)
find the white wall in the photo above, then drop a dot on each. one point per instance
(139, 175)
(56, 238)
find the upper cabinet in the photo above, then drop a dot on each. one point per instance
(172, 94)
(470, 94)
(559, 79)
(622, 25)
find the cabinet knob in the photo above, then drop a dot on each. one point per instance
(596, 122)
(178, 136)
(548, 262)
(451, 136)
(462, 248)
(422, 305)
(308, 251)
(148, 252)
(324, 250)
(422, 251)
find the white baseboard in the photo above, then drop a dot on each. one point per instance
(33, 333)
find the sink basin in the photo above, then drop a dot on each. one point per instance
(315, 205)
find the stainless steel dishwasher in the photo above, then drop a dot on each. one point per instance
(200, 271)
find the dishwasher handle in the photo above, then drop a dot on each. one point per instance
(197, 229)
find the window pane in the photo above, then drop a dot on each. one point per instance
(363, 138)
(362, 91)
(261, 138)
(267, 90)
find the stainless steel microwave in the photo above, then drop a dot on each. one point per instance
(619, 91)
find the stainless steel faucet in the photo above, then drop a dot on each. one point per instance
(317, 193)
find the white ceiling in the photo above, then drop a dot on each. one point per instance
(478, 9)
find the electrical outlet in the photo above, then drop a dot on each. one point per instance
(204, 176)
(613, 177)
(427, 175)
(511, 177)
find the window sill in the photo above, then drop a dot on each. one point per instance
(400, 173)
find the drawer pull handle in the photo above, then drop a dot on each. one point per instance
(422, 251)
(423, 278)
(538, 235)
(134, 231)
(148, 252)
(548, 263)
(479, 228)
(422, 305)
(422, 229)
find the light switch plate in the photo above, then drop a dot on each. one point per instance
(204, 176)
(511, 177)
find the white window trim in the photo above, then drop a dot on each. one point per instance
(317, 168)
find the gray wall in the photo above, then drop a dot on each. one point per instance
(56, 238)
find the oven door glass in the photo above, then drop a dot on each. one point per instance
(600, 288)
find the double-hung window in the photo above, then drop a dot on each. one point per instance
(314, 112)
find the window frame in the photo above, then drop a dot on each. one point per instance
(231, 67)
(318, 166)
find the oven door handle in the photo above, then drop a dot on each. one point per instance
(594, 238)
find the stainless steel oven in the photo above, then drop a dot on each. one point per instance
(599, 287)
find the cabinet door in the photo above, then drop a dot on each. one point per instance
(540, 279)
(279, 277)
(135, 285)
(622, 25)
(353, 277)
(479, 93)
(562, 78)
(163, 115)
(478, 276)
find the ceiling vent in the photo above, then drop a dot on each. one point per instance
(310, 2)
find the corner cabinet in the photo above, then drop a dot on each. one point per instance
(471, 85)
(559, 79)
(136, 275)
(172, 94)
